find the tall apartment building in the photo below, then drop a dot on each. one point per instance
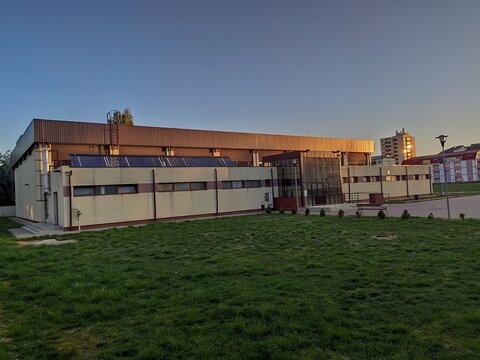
(401, 146)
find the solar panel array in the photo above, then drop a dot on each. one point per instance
(109, 161)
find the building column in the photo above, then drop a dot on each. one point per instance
(255, 158)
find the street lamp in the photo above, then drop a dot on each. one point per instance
(339, 154)
(443, 140)
(296, 186)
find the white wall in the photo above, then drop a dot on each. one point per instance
(7, 211)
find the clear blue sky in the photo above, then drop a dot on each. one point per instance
(337, 68)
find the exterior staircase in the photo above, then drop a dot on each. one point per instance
(31, 229)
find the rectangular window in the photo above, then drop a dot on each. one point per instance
(253, 183)
(181, 186)
(268, 182)
(226, 184)
(198, 186)
(83, 191)
(165, 187)
(126, 189)
(106, 190)
(237, 184)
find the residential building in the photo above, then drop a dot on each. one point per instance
(401, 146)
(462, 164)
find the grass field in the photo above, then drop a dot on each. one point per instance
(458, 187)
(255, 287)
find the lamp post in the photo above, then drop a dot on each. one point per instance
(339, 154)
(443, 140)
(296, 185)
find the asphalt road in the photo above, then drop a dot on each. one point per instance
(468, 205)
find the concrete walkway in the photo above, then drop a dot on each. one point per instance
(468, 205)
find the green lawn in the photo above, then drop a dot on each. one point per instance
(458, 187)
(255, 287)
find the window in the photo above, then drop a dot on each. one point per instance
(253, 183)
(389, 178)
(237, 184)
(268, 182)
(126, 189)
(198, 186)
(182, 186)
(165, 187)
(83, 191)
(105, 190)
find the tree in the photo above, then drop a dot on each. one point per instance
(7, 180)
(127, 117)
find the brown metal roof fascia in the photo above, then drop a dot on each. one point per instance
(154, 136)
(69, 132)
(24, 143)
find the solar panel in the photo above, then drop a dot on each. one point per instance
(110, 161)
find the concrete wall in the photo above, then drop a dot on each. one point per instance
(29, 189)
(7, 211)
(140, 206)
(394, 181)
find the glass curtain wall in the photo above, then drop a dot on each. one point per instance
(321, 181)
(318, 179)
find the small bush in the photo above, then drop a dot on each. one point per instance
(381, 214)
(430, 216)
(358, 213)
(268, 210)
(307, 211)
(322, 213)
(405, 214)
(341, 213)
(281, 211)
(294, 211)
(462, 216)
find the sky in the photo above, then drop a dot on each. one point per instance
(338, 68)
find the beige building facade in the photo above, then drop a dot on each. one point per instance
(396, 181)
(96, 197)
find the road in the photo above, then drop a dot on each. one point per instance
(468, 205)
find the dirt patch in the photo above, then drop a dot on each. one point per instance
(46, 242)
(384, 237)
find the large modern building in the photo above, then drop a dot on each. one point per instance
(97, 174)
(100, 174)
(401, 146)
(462, 164)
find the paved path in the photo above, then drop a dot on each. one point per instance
(469, 205)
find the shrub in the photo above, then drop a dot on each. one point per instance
(341, 213)
(322, 213)
(268, 210)
(358, 213)
(405, 214)
(462, 216)
(294, 211)
(430, 216)
(307, 211)
(281, 211)
(381, 214)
